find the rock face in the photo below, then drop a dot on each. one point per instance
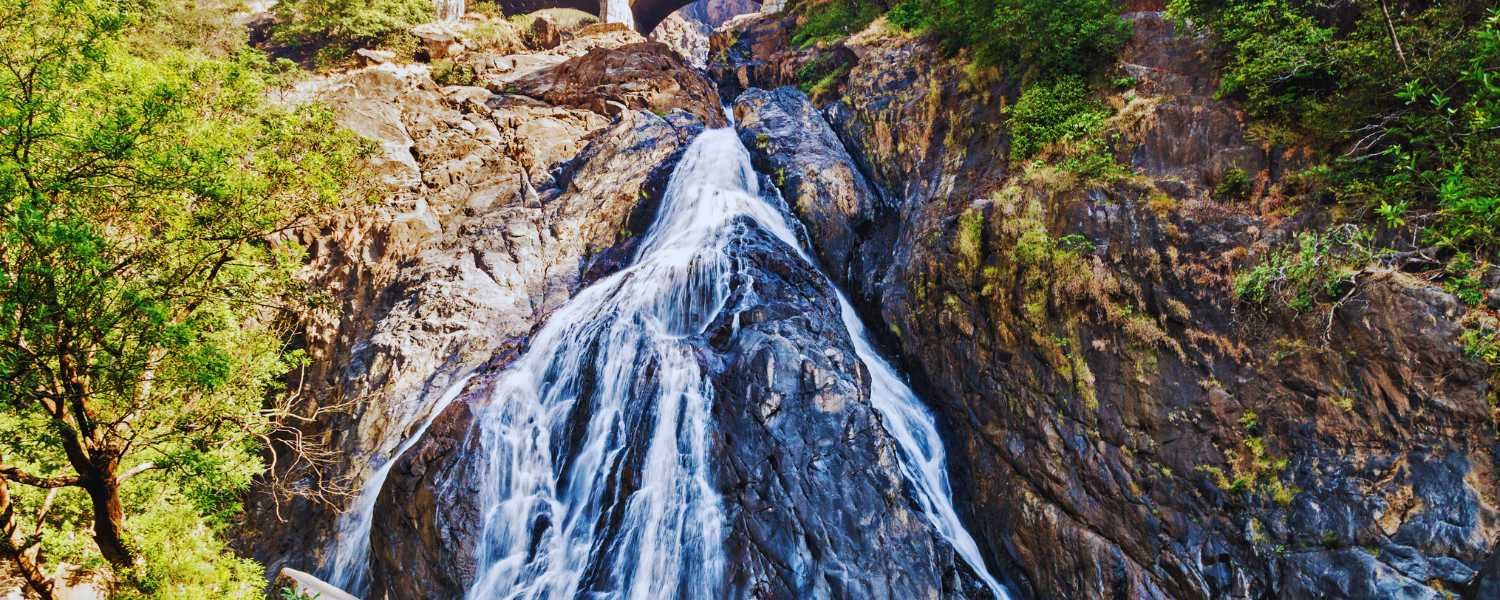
(818, 178)
(1121, 425)
(687, 30)
(817, 505)
(686, 36)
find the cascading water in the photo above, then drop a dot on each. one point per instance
(618, 11)
(597, 446)
(449, 10)
(348, 565)
(612, 389)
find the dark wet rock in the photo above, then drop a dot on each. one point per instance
(815, 498)
(789, 140)
(754, 51)
(427, 525)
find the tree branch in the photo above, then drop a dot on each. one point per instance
(24, 478)
(136, 470)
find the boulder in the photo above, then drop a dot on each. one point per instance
(442, 40)
(646, 75)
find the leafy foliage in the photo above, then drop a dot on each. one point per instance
(831, 20)
(1035, 39)
(1401, 93)
(337, 27)
(144, 186)
(1051, 112)
(1322, 266)
(820, 76)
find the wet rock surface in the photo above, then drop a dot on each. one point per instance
(811, 480)
(1121, 425)
(792, 142)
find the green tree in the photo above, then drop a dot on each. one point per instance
(141, 284)
(334, 28)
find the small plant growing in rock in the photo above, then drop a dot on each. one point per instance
(1323, 265)
(447, 72)
(1235, 186)
(288, 593)
(1461, 279)
(1482, 344)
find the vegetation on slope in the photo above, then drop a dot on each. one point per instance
(1403, 96)
(144, 185)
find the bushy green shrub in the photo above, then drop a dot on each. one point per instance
(1051, 112)
(819, 76)
(335, 28)
(1235, 185)
(830, 20)
(1323, 266)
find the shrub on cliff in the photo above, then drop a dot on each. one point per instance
(1051, 112)
(832, 20)
(332, 29)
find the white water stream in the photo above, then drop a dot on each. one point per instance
(610, 397)
(618, 11)
(448, 10)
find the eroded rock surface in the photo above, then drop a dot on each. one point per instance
(819, 179)
(815, 497)
(648, 75)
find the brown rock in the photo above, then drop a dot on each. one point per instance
(646, 75)
(544, 34)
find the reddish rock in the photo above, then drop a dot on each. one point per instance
(646, 75)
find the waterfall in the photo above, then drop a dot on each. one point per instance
(348, 565)
(614, 373)
(448, 10)
(610, 397)
(618, 11)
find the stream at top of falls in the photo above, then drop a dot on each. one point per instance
(611, 382)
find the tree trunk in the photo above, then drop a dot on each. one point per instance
(109, 520)
(13, 546)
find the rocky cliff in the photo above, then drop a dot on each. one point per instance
(1124, 426)
(1118, 423)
